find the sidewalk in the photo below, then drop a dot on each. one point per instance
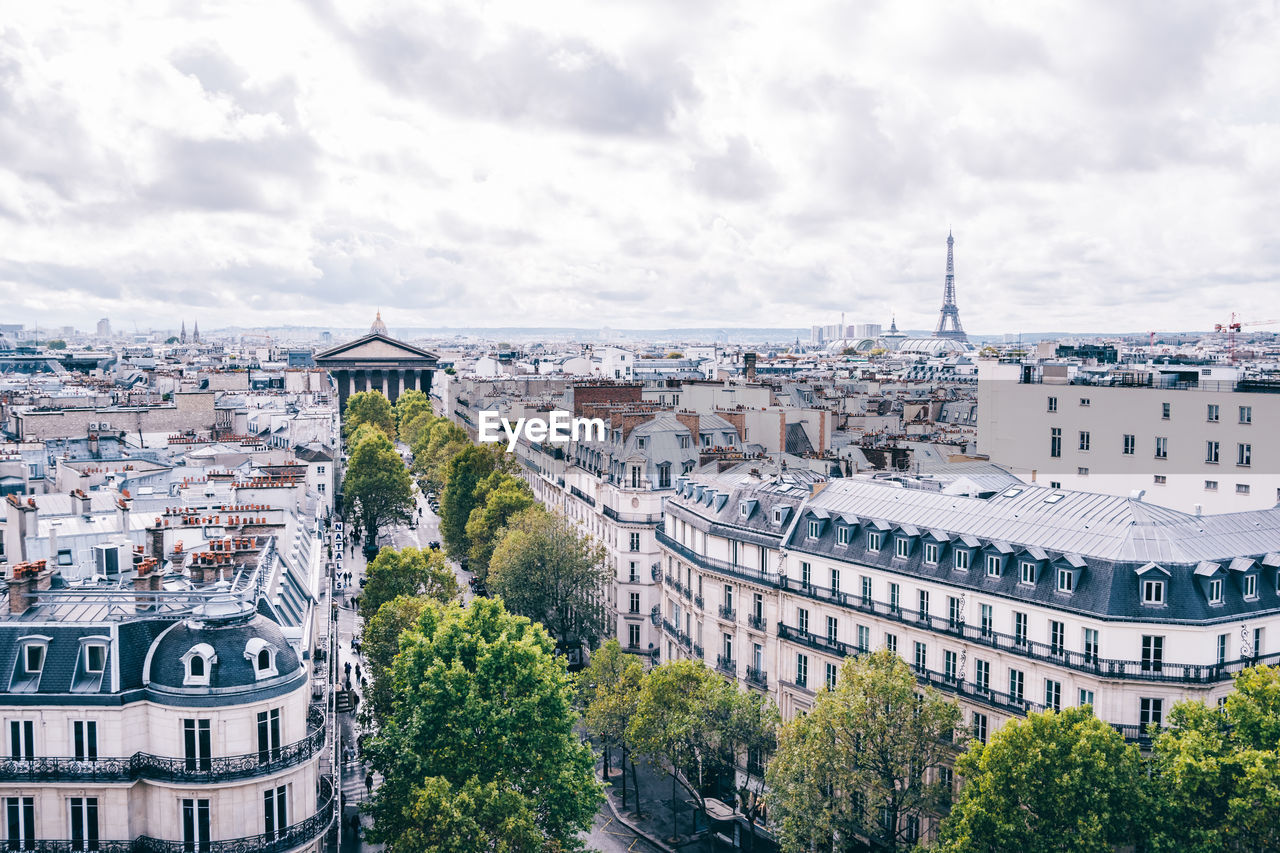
(655, 822)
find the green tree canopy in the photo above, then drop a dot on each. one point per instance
(409, 405)
(544, 568)
(56, 344)
(1216, 773)
(376, 482)
(608, 693)
(407, 572)
(868, 748)
(380, 643)
(411, 431)
(434, 448)
(368, 407)
(1056, 781)
(462, 474)
(480, 739)
(504, 497)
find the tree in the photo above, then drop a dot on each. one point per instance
(407, 572)
(368, 407)
(409, 405)
(544, 568)
(754, 730)
(380, 643)
(504, 497)
(608, 693)
(172, 339)
(1056, 781)
(683, 718)
(411, 431)
(481, 726)
(434, 447)
(865, 749)
(377, 483)
(56, 344)
(1216, 773)
(461, 476)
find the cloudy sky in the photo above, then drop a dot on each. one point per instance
(639, 163)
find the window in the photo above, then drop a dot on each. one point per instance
(1242, 488)
(20, 823)
(950, 665)
(1066, 580)
(1246, 414)
(866, 591)
(830, 679)
(1244, 455)
(922, 656)
(1250, 587)
(777, 515)
(1083, 472)
(1057, 634)
(757, 607)
(1165, 409)
(1091, 645)
(196, 744)
(1053, 404)
(1257, 642)
(269, 735)
(873, 541)
(1162, 447)
(902, 547)
(1211, 412)
(197, 661)
(275, 812)
(806, 574)
(635, 541)
(1211, 485)
(1055, 484)
(633, 636)
(842, 535)
(263, 657)
(815, 527)
(1053, 694)
(1027, 572)
(1086, 697)
(993, 565)
(1215, 591)
(835, 580)
(1222, 649)
(635, 602)
(1152, 653)
(980, 727)
(931, 553)
(1084, 401)
(1017, 683)
(1055, 442)
(962, 560)
(895, 605)
(1130, 444)
(833, 630)
(1159, 479)
(985, 619)
(891, 642)
(195, 826)
(33, 658)
(728, 597)
(1152, 592)
(1211, 452)
(84, 740)
(22, 740)
(634, 573)
(864, 638)
(982, 675)
(954, 616)
(684, 442)
(1150, 712)
(802, 620)
(1084, 439)
(802, 670)
(84, 823)
(924, 604)
(1020, 628)
(664, 475)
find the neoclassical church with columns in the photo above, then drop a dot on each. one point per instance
(377, 362)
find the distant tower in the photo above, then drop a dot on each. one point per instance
(949, 322)
(379, 327)
(182, 336)
(195, 335)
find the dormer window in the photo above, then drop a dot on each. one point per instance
(1250, 587)
(842, 535)
(873, 541)
(29, 664)
(815, 528)
(902, 547)
(95, 658)
(994, 565)
(262, 655)
(33, 659)
(962, 560)
(197, 664)
(1066, 580)
(1215, 591)
(931, 553)
(1027, 572)
(1153, 592)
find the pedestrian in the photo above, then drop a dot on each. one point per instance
(363, 684)
(358, 671)
(347, 667)
(368, 782)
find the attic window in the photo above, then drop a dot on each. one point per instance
(95, 658)
(197, 663)
(777, 515)
(815, 528)
(33, 658)
(262, 655)
(1152, 592)
(842, 535)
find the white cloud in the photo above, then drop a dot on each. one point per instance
(583, 162)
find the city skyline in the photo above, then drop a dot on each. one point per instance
(751, 167)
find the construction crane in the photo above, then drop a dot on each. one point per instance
(1234, 326)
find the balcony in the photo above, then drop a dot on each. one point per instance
(687, 593)
(1086, 662)
(163, 768)
(582, 496)
(757, 677)
(710, 564)
(698, 602)
(697, 651)
(631, 518)
(300, 834)
(756, 622)
(728, 614)
(728, 666)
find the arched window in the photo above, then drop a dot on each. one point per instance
(197, 662)
(264, 659)
(197, 666)
(262, 656)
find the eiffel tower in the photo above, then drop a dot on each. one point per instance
(949, 321)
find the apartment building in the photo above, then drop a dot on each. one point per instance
(1194, 437)
(1026, 599)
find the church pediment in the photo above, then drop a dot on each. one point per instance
(374, 347)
